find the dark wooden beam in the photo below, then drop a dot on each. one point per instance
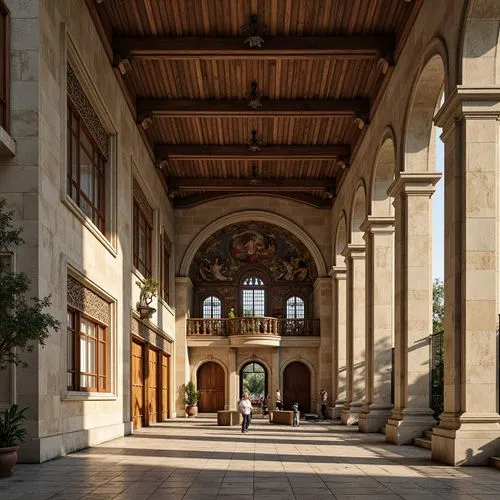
(197, 199)
(277, 47)
(216, 107)
(241, 152)
(249, 185)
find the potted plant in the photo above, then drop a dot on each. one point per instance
(192, 396)
(149, 289)
(11, 434)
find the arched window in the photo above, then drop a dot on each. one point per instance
(295, 308)
(253, 296)
(212, 307)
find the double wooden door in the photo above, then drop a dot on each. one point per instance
(297, 386)
(211, 382)
(150, 384)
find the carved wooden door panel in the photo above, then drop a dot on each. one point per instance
(297, 386)
(137, 380)
(164, 386)
(212, 385)
(153, 374)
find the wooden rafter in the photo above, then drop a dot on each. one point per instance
(308, 199)
(216, 107)
(241, 152)
(250, 185)
(277, 47)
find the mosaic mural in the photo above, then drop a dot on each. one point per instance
(283, 255)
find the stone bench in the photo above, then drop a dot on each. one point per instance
(229, 417)
(281, 417)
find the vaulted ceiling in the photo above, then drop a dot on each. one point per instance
(253, 96)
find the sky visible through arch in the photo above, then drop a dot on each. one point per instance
(438, 215)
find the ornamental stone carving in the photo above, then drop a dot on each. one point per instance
(88, 302)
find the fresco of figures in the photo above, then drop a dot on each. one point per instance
(236, 246)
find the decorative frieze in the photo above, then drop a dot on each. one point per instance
(88, 302)
(151, 336)
(141, 199)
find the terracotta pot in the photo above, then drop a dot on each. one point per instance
(191, 411)
(8, 458)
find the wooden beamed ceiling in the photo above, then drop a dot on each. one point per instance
(240, 97)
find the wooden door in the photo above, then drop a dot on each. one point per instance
(212, 386)
(153, 374)
(297, 386)
(137, 381)
(164, 387)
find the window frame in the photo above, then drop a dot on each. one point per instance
(5, 66)
(290, 297)
(75, 372)
(243, 287)
(99, 169)
(145, 268)
(211, 307)
(165, 254)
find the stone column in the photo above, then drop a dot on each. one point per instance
(469, 430)
(183, 308)
(323, 311)
(379, 237)
(233, 381)
(413, 306)
(339, 342)
(275, 377)
(355, 323)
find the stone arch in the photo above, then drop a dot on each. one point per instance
(431, 82)
(358, 213)
(479, 64)
(253, 215)
(383, 174)
(340, 241)
(251, 359)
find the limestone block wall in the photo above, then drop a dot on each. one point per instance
(44, 35)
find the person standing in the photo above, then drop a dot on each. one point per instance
(295, 409)
(279, 402)
(324, 406)
(246, 410)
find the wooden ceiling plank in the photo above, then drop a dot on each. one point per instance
(241, 152)
(342, 47)
(308, 199)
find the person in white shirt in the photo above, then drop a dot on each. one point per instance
(246, 411)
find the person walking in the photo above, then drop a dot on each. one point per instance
(279, 402)
(295, 409)
(324, 406)
(246, 411)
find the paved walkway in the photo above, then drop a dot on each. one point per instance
(195, 459)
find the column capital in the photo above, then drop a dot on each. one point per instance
(338, 272)
(354, 251)
(373, 224)
(322, 281)
(414, 183)
(183, 280)
(469, 102)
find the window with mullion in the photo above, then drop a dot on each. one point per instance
(87, 354)
(86, 169)
(142, 242)
(4, 65)
(295, 308)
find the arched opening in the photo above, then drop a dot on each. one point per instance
(254, 380)
(253, 296)
(211, 382)
(295, 308)
(358, 215)
(297, 386)
(385, 169)
(212, 307)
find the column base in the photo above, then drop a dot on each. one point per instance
(337, 410)
(350, 413)
(467, 439)
(374, 417)
(408, 423)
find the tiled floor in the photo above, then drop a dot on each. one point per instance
(195, 459)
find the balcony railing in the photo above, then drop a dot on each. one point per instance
(223, 327)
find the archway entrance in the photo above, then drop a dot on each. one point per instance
(211, 382)
(297, 386)
(253, 379)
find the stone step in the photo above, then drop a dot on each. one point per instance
(428, 434)
(495, 462)
(422, 442)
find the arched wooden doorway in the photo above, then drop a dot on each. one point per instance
(297, 386)
(211, 382)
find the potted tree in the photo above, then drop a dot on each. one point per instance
(149, 289)
(192, 396)
(11, 434)
(24, 323)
